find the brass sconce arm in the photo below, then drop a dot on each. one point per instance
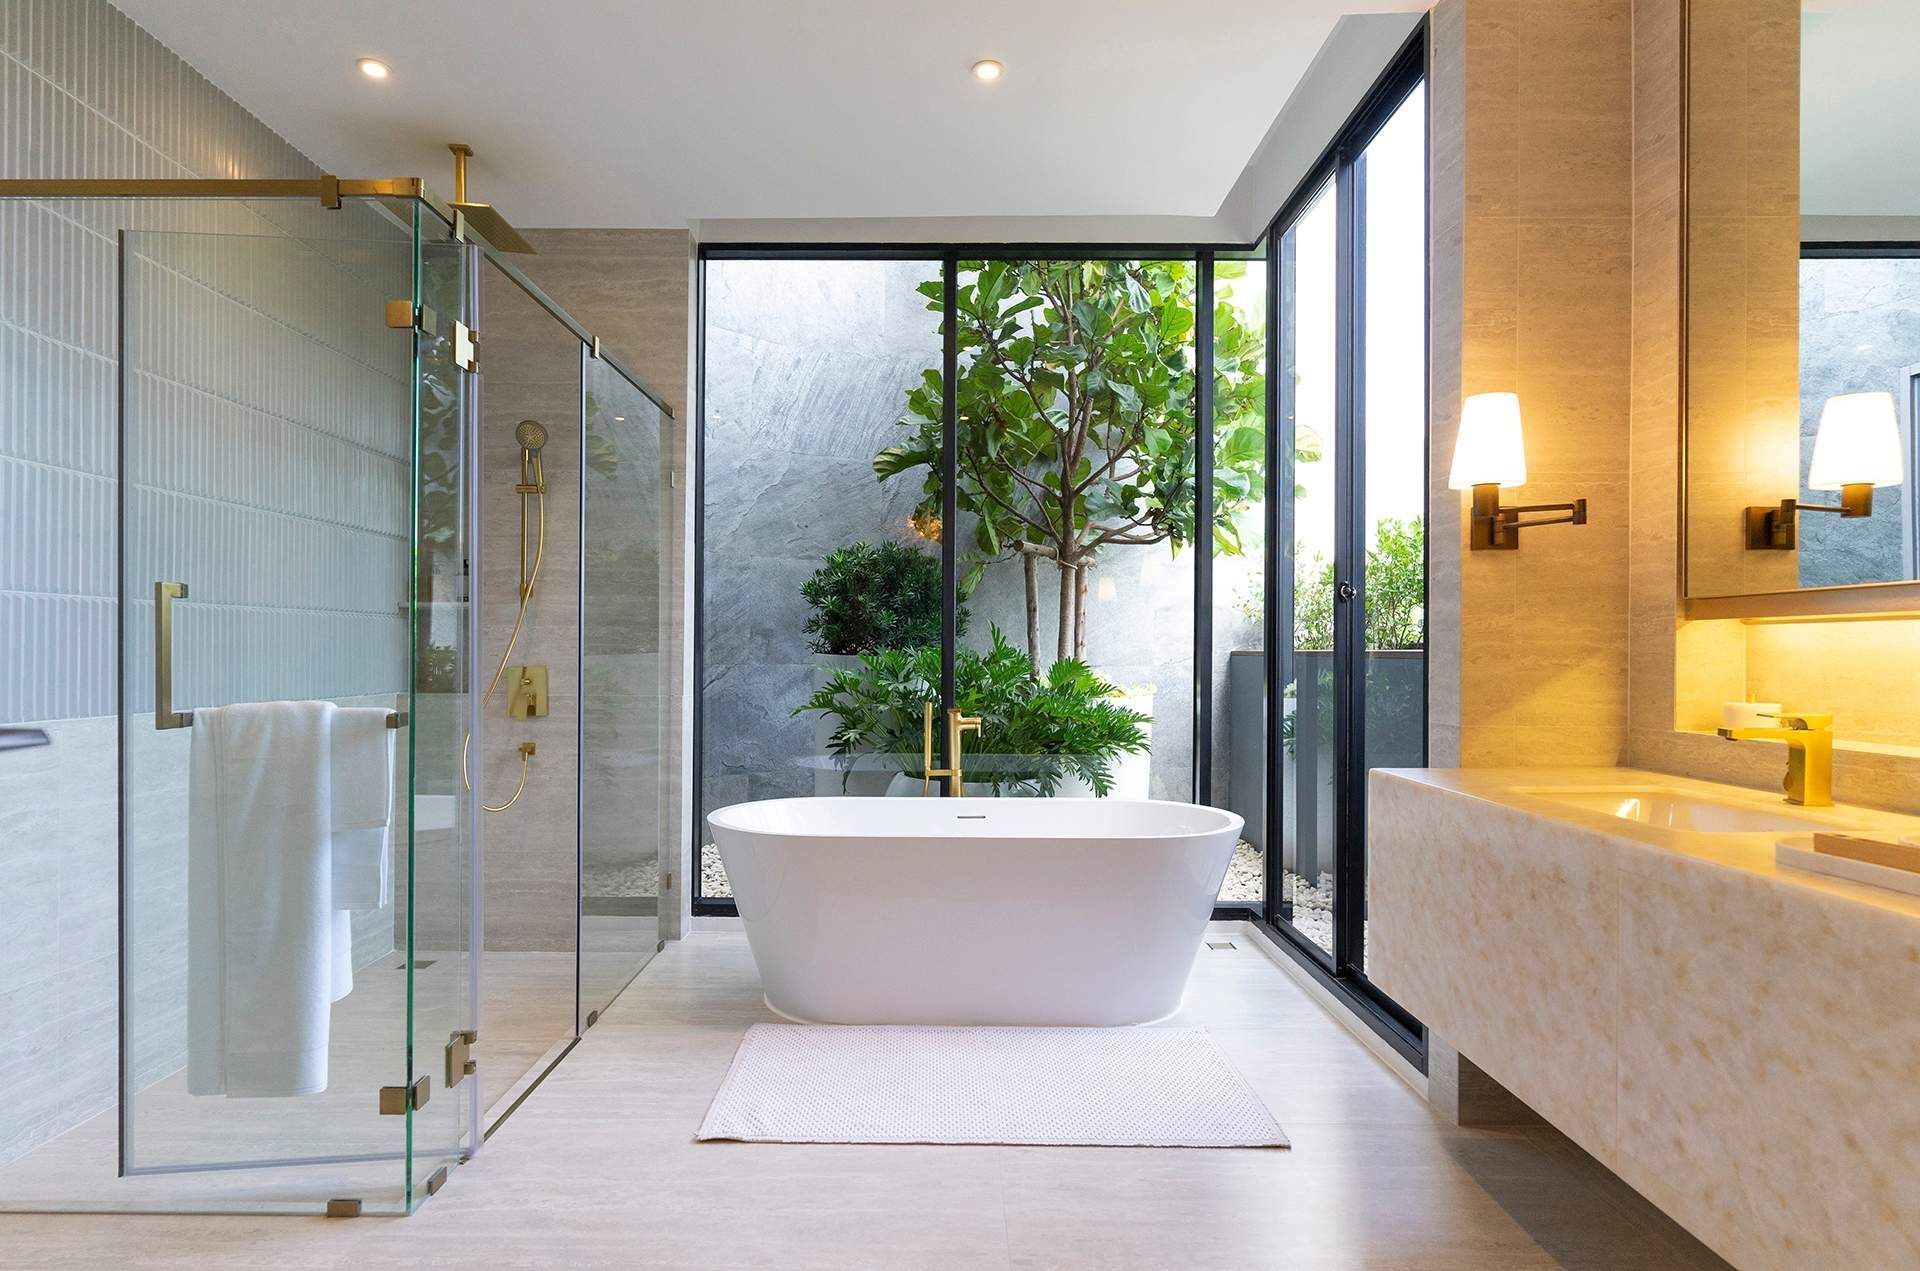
(1777, 529)
(957, 724)
(1498, 528)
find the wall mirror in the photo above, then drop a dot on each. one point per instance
(1803, 300)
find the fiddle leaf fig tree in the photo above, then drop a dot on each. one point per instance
(1076, 408)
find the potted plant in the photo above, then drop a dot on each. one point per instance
(1057, 733)
(871, 596)
(863, 598)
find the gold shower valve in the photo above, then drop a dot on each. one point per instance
(527, 692)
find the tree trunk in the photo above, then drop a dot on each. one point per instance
(1080, 610)
(1032, 568)
(1063, 645)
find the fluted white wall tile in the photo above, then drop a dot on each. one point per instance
(268, 456)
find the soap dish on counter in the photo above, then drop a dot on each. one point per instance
(1798, 853)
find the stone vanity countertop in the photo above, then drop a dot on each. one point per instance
(1750, 852)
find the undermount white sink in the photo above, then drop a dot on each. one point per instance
(1677, 809)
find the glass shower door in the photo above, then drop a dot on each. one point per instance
(285, 703)
(628, 708)
(441, 920)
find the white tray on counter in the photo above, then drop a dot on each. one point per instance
(1792, 854)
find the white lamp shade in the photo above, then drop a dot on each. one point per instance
(1858, 443)
(1489, 449)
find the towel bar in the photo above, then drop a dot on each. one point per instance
(164, 716)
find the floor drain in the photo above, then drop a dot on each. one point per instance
(1220, 944)
(420, 964)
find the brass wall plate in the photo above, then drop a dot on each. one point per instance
(1773, 528)
(527, 692)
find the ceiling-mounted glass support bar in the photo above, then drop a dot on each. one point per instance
(328, 191)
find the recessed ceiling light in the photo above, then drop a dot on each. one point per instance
(986, 70)
(373, 68)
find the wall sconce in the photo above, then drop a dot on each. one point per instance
(1490, 453)
(1856, 449)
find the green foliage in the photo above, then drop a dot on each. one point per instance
(1396, 591)
(1397, 585)
(1076, 400)
(1036, 729)
(867, 597)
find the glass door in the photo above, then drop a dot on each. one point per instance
(1305, 597)
(442, 952)
(628, 708)
(286, 689)
(1351, 313)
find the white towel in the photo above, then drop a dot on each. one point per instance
(362, 757)
(266, 945)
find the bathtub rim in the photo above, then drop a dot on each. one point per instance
(1230, 820)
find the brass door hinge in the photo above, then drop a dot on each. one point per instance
(344, 1207)
(460, 1061)
(438, 1181)
(404, 314)
(465, 356)
(397, 1101)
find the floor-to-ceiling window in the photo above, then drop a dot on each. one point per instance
(1235, 588)
(1075, 408)
(1309, 316)
(1350, 566)
(809, 559)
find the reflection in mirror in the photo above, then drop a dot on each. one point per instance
(1803, 307)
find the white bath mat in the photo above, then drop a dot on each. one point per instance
(1116, 1087)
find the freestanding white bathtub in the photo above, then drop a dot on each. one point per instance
(974, 911)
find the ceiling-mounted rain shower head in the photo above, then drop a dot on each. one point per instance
(531, 434)
(483, 217)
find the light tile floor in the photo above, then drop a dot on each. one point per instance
(599, 1169)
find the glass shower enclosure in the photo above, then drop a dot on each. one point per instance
(325, 1000)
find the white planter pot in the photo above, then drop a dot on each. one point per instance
(1133, 774)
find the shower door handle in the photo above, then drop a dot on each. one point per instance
(164, 716)
(22, 738)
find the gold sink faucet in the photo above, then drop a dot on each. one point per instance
(1809, 741)
(956, 724)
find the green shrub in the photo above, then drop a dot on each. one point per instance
(1035, 730)
(867, 597)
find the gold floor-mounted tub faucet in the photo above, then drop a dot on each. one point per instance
(956, 724)
(1809, 741)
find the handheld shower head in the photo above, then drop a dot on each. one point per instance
(531, 434)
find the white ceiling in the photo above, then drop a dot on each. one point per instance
(650, 113)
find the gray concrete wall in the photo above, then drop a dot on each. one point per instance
(1859, 332)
